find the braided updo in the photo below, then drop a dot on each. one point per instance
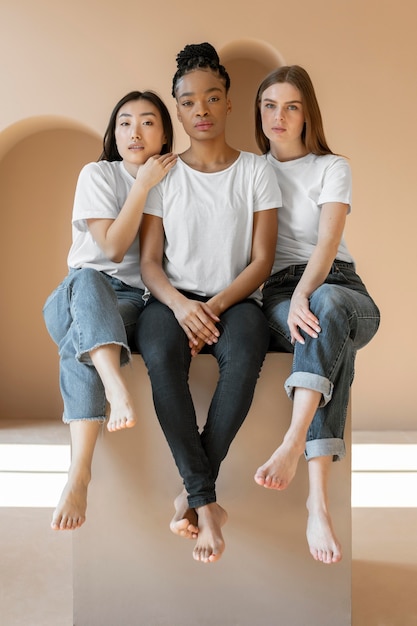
(199, 55)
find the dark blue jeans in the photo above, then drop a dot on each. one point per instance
(348, 318)
(240, 352)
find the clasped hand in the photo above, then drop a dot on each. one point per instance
(198, 322)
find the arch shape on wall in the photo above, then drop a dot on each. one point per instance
(261, 51)
(247, 61)
(40, 159)
(14, 134)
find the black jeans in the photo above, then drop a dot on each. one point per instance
(240, 352)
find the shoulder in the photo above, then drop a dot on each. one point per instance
(331, 162)
(249, 161)
(103, 173)
(250, 157)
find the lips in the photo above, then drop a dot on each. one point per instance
(135, 147)
(203, 125)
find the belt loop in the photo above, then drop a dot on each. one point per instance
(291, 270)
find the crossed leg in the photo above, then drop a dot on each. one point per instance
(106, 360)
(280, 469)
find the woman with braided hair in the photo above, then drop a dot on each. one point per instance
(207, 243)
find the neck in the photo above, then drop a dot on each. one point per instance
(209, 156)
(131, 168)
(288, 153)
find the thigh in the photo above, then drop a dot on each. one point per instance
(244, 334)
(57, 311)
(276, 306)
(158, 334)
(341, 309)
(130, 304)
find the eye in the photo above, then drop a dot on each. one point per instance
(292, 107)
(124, 124)
(186, 103)
(214, 99)
(269, 105)
(147, 123)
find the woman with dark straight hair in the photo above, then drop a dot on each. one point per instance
(92, 314)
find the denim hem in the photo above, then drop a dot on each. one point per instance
(67, 420)
(198, 501)
(307, 380)
(325, 447)
(125, 355)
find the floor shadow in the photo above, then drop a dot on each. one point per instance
(384, 594)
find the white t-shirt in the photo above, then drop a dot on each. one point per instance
(208, 220)
(101, 192)
(306, 184)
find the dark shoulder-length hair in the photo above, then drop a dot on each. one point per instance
(110, 152)
(312, 135)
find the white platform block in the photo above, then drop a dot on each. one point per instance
(130, 570)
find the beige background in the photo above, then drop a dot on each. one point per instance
(63, 67)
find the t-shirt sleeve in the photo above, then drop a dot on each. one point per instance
(337, 183)
(95, 196)
(154, 202)
(267, 193)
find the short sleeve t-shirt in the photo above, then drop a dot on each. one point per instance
(208, 220)
(306, 184)
(101, 192)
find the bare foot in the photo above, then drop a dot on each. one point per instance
(184, 522)
(70, 512)
(122, 412)
(321, 537)
(279, 470)
(210, 543)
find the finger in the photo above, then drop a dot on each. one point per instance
(209, 312)
(296, 336)
(204, 328)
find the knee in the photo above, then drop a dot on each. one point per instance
(160, 339)
(87, 277)
(328, 302)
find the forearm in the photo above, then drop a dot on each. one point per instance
(121, 233)
(317, 270)
(248, 281)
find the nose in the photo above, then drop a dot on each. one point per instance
(135, 132)
(279, 113)
(202, 109)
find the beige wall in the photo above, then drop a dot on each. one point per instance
(63, 66)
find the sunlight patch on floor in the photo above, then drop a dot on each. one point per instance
(32, 475)
(384, 475)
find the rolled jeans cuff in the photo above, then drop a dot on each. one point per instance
(307, 380)
(325, 447)
(125, 352)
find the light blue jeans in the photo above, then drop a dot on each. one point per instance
(348, 318)
(87, 310)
